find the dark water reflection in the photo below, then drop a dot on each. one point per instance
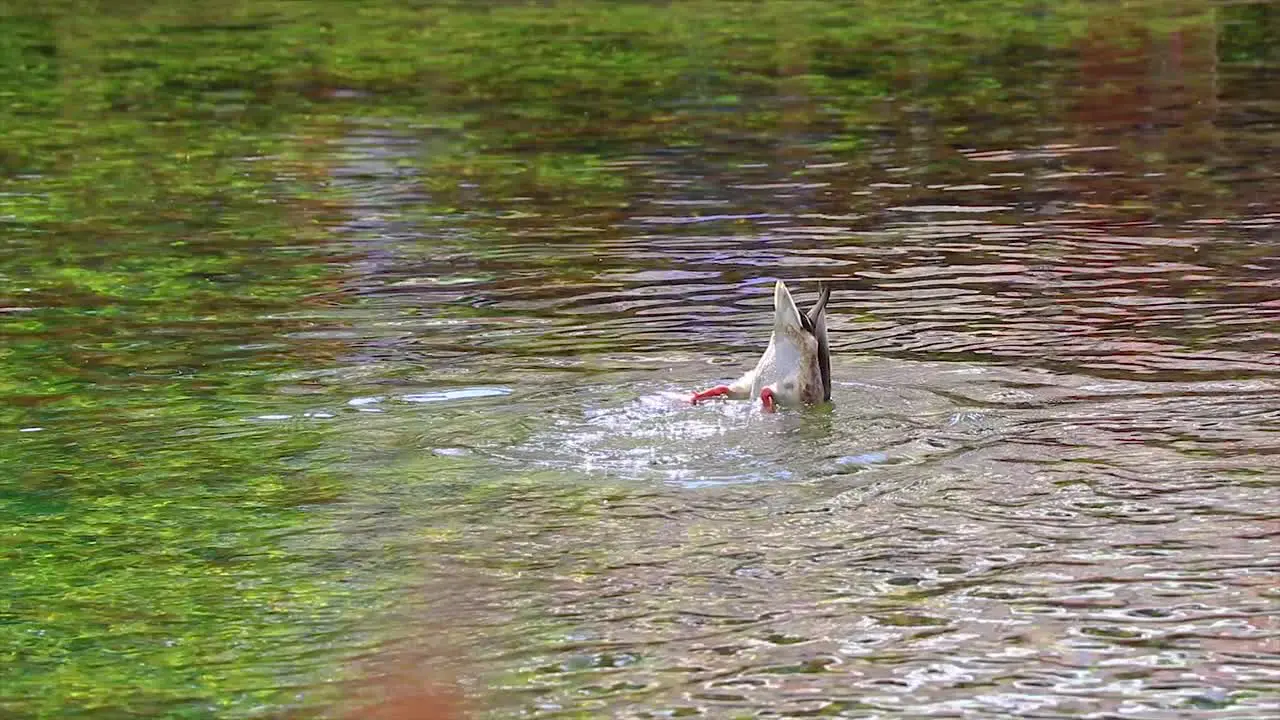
(1046, 487)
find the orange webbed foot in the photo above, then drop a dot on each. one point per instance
(707, 394)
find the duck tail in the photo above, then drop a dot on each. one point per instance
(817, 317)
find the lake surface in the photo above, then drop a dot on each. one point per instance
(342, 342)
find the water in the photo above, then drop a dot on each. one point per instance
(327, 356)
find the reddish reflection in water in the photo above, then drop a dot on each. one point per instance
(410, 700)
(409, 690)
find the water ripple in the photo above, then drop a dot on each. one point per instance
(1046, 485)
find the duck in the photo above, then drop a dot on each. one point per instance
(795, 369)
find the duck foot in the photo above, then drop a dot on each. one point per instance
(766, 399)
(707, 394)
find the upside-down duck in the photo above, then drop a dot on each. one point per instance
(795, 369)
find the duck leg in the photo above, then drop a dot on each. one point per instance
(766, 399)
(736, 390)
(716, 391)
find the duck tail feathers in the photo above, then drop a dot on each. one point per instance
(817, 317)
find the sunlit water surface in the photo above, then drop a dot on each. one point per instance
(1046, 485)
